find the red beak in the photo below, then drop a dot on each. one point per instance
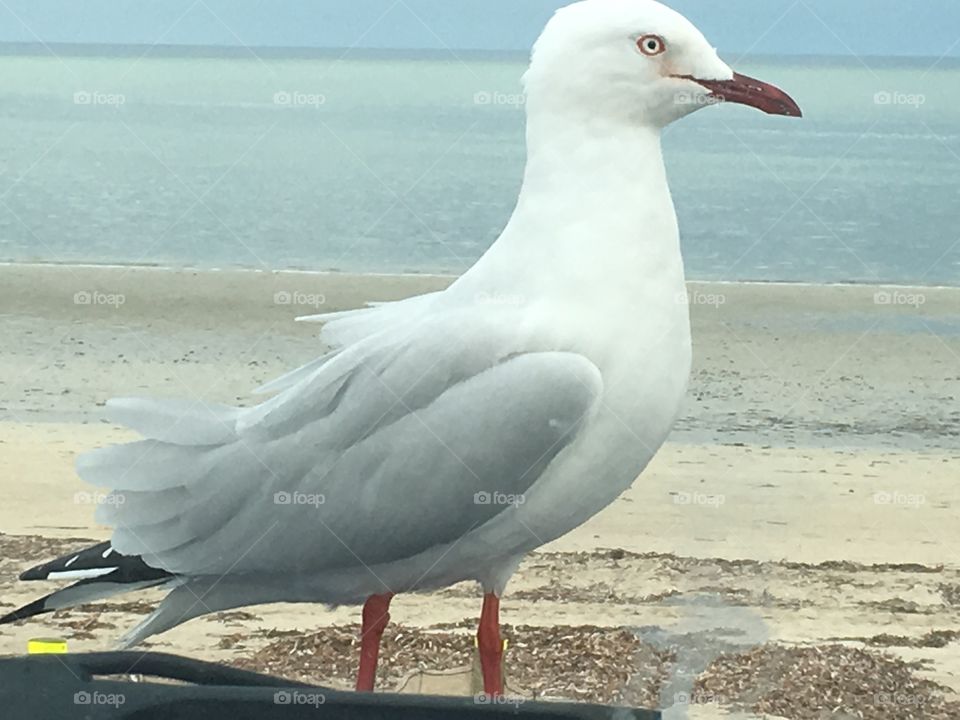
(755, 93)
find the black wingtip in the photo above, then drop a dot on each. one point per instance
(34, 573)
(37, 607)
(102, 556)
(42, 571)
(100, 572)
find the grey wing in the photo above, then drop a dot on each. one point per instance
(374, 461)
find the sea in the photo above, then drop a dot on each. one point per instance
(367, 161)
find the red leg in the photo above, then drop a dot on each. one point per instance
(490, 645)
(376, 615)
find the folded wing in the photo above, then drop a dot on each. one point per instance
(386, 450)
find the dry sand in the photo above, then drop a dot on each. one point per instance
(807, 503)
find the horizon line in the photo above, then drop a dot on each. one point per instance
(93, 49)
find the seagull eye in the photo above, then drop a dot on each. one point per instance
(651, 45)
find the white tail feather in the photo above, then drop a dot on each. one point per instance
(181, 422)
(147, 465)
(345, 328)
(294, 376)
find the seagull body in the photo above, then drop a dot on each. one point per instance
(445, 436)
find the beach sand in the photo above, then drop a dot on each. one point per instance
(807, 500)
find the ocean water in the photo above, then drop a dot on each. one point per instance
(396, 162)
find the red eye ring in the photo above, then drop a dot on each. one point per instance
(651, 45)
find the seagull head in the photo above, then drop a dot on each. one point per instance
(637, 61)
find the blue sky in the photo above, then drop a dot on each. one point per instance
(840, 27)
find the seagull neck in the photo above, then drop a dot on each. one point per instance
(595, 201)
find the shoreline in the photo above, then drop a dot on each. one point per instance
(409, 274)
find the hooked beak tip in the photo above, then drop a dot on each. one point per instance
(752, 92)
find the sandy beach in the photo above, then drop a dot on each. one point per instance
(806, 503)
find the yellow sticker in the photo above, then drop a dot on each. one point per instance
(46, 646)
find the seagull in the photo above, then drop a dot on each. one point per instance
(444, 437)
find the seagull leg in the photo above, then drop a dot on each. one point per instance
(490, 645)
(376, 615)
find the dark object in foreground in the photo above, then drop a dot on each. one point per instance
(62, 687)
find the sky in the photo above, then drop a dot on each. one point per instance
(819, 27)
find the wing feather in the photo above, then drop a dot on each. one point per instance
(383, 452)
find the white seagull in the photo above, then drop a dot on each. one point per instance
(446, 436)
